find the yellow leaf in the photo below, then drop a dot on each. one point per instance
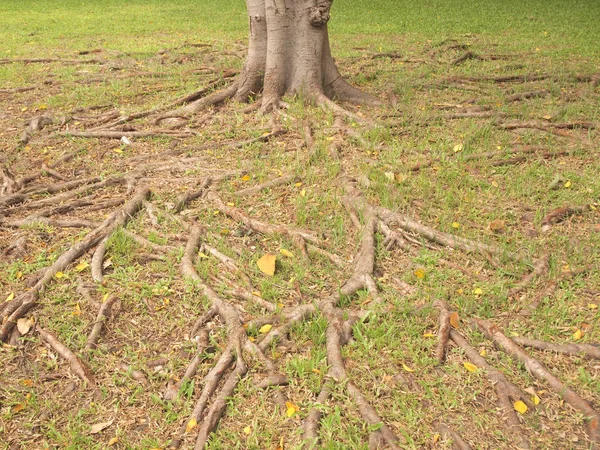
(408, 369)
(191, 425)
(256, 293)
(578, 335)
(19, 275)
(478, 291)
(267, 264)
(246, 178)
(113, 441)
(454, 320)
(592, 306)
(42, 107)
(10, 297)
(420, 273)
(436, 438)
(118, 150)
(265, 328)
(247, 430)
(520, 407)
(470, 367)
(27, 382)
(105, 297)
(298, 184)
(455, 225)
(286, 253)
(317, 371)
(482, 352)
(19, 407)
(291, 409)
(428, 335)
(230, 204)
(82, 266)
(535, 399)
(458, 148)
(303, 193)
(251, 339)
(567, 184)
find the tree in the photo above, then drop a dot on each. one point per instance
(288, 53)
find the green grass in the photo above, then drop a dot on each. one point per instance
(391, 355)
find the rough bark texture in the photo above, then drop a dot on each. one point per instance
(289, 53)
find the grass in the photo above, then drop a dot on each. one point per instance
(391, 355)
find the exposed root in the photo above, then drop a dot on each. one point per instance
(506, 391)
(18, 90)
(27, 300)
(540, 268)
(464, 57)
(588, 350)
(539, 371)
(526, 95)
(458, 443)
(546, 292)
(444, 330)
(267, 185)
(78, 367)
(560, 214)
(103, 313)
(119, 134)
(50, 60)
(36, 124)
(172, 389)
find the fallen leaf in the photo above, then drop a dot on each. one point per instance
(105, 297)
(454, 320)
(59, 275)
(458, 148)
(19, 275)
(113, 441)
(470, 367)
(497, 225)
(191, 425)
(265, 328)
(578, 335)
(478, 291)
(428, 335)
(286, 253)
(520, 407)
(567, 184)
(317, 371)
(82, 266)
(230, 204)
(535, 399)
(592, 306)
(482, 352)
(420, 273)
(247, 430)
(10, 297)
(19, 407)
(455, 225)
(246, 178)
(267, 264)
(389, 175)
(291, 409)
(303, 193)
(27, 382)
(406, 368)
(76, 310)
(24, 325)
(98, 427)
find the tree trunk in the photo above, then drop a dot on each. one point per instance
(289, 53)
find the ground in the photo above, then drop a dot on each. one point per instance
(489, 133)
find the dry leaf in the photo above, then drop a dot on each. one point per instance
(592, 306)
(535, 399)
(286, 253)
(98, 427)
(406, 368)
(10, 297)
(454, 320)
(19, 407)
(267, 264)
(265, 328)
(303, 193)
(478, 291)
(82, 266)
(191, 425)
(458, 148)
(420, 273)
(578, 335)
(428, 335)
(247, 430)
(455, 225)
(389, 175)
(482, 352)
(246, 178)
(59, 275)
(113, 441)
(470, 367)
(567, 184)
(24, 325)
(520, 407)
(291, 409)
(497, 225)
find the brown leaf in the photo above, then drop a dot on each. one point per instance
(454, 320)
(98, 427)
(267, 264)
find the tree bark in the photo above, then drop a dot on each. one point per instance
(289, 53)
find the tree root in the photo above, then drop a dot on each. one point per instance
(526, 95)
(99, 323)
(119, 134)
(18, 307)
(540, 372)
(560, 214)
(506, 391)
(444, 330)
(267, 185)
(78, 367)
(540, 268)
(458, 443)
(587, 350)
